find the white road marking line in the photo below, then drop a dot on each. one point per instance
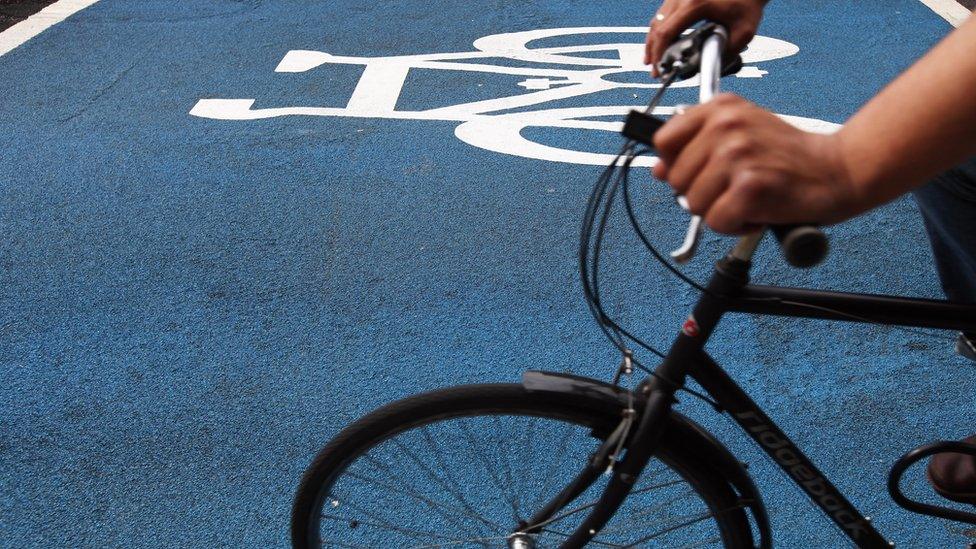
(950, 10)
(39, 22)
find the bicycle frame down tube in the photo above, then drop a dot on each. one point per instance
(688, 357)
(784, 452)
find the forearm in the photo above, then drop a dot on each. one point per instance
(920, 125)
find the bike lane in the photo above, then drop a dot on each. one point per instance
(192, 305)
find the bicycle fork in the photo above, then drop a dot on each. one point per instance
(658, 396)
(642, 446)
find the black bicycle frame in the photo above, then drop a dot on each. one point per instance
(729, 291)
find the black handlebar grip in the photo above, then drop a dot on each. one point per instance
(803, 246)
(731, 64)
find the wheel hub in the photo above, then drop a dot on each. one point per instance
(521, 541)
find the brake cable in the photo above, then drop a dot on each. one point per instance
(617, 176)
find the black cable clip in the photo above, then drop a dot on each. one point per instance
(641, 127)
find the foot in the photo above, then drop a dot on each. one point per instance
(953, 476)
(966, 346)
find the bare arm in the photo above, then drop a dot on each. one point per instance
(741, 166)
(920, 125)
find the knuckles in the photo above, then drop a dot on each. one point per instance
(658, 32)
(752, 188)
(729, 113)
(727, 121)
(731, 129)
(735, 148)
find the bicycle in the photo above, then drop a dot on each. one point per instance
(635, 472)
(503, 123)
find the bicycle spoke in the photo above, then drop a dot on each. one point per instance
(686, 523)
(439, 508)
(386, 525)
(651, 475)
(553, 466)
(707, 542)
(632, 517)
(570, 513)
(450, 489)
(503, 456)
(479, 541)
(455, 481)
(484, 461)
(689, 522)
(451, 481)
(322, 543)
(526, 458)
(658, 487)
(593, 541)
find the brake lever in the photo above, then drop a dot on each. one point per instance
(692, 236)
(710, 68)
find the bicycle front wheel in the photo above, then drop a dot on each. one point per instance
(463, 467)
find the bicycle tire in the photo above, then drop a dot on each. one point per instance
(598, 416)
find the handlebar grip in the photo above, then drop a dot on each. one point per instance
(803, 246)
(731, 64)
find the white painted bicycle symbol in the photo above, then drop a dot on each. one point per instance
(486, 124)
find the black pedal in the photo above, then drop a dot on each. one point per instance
(641, 127)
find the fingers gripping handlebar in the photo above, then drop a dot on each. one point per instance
(684, 57)
(702, 51)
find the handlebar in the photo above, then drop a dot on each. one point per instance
(702, 51)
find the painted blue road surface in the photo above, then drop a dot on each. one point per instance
(227, 230)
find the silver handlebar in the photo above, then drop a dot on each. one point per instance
(708, 87)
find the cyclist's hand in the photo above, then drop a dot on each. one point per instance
(740, 17)
(740, 166)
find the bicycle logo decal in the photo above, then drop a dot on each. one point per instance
(563, 72)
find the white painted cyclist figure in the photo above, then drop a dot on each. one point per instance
(740, 166)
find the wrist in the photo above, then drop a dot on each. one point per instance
(854, 188)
